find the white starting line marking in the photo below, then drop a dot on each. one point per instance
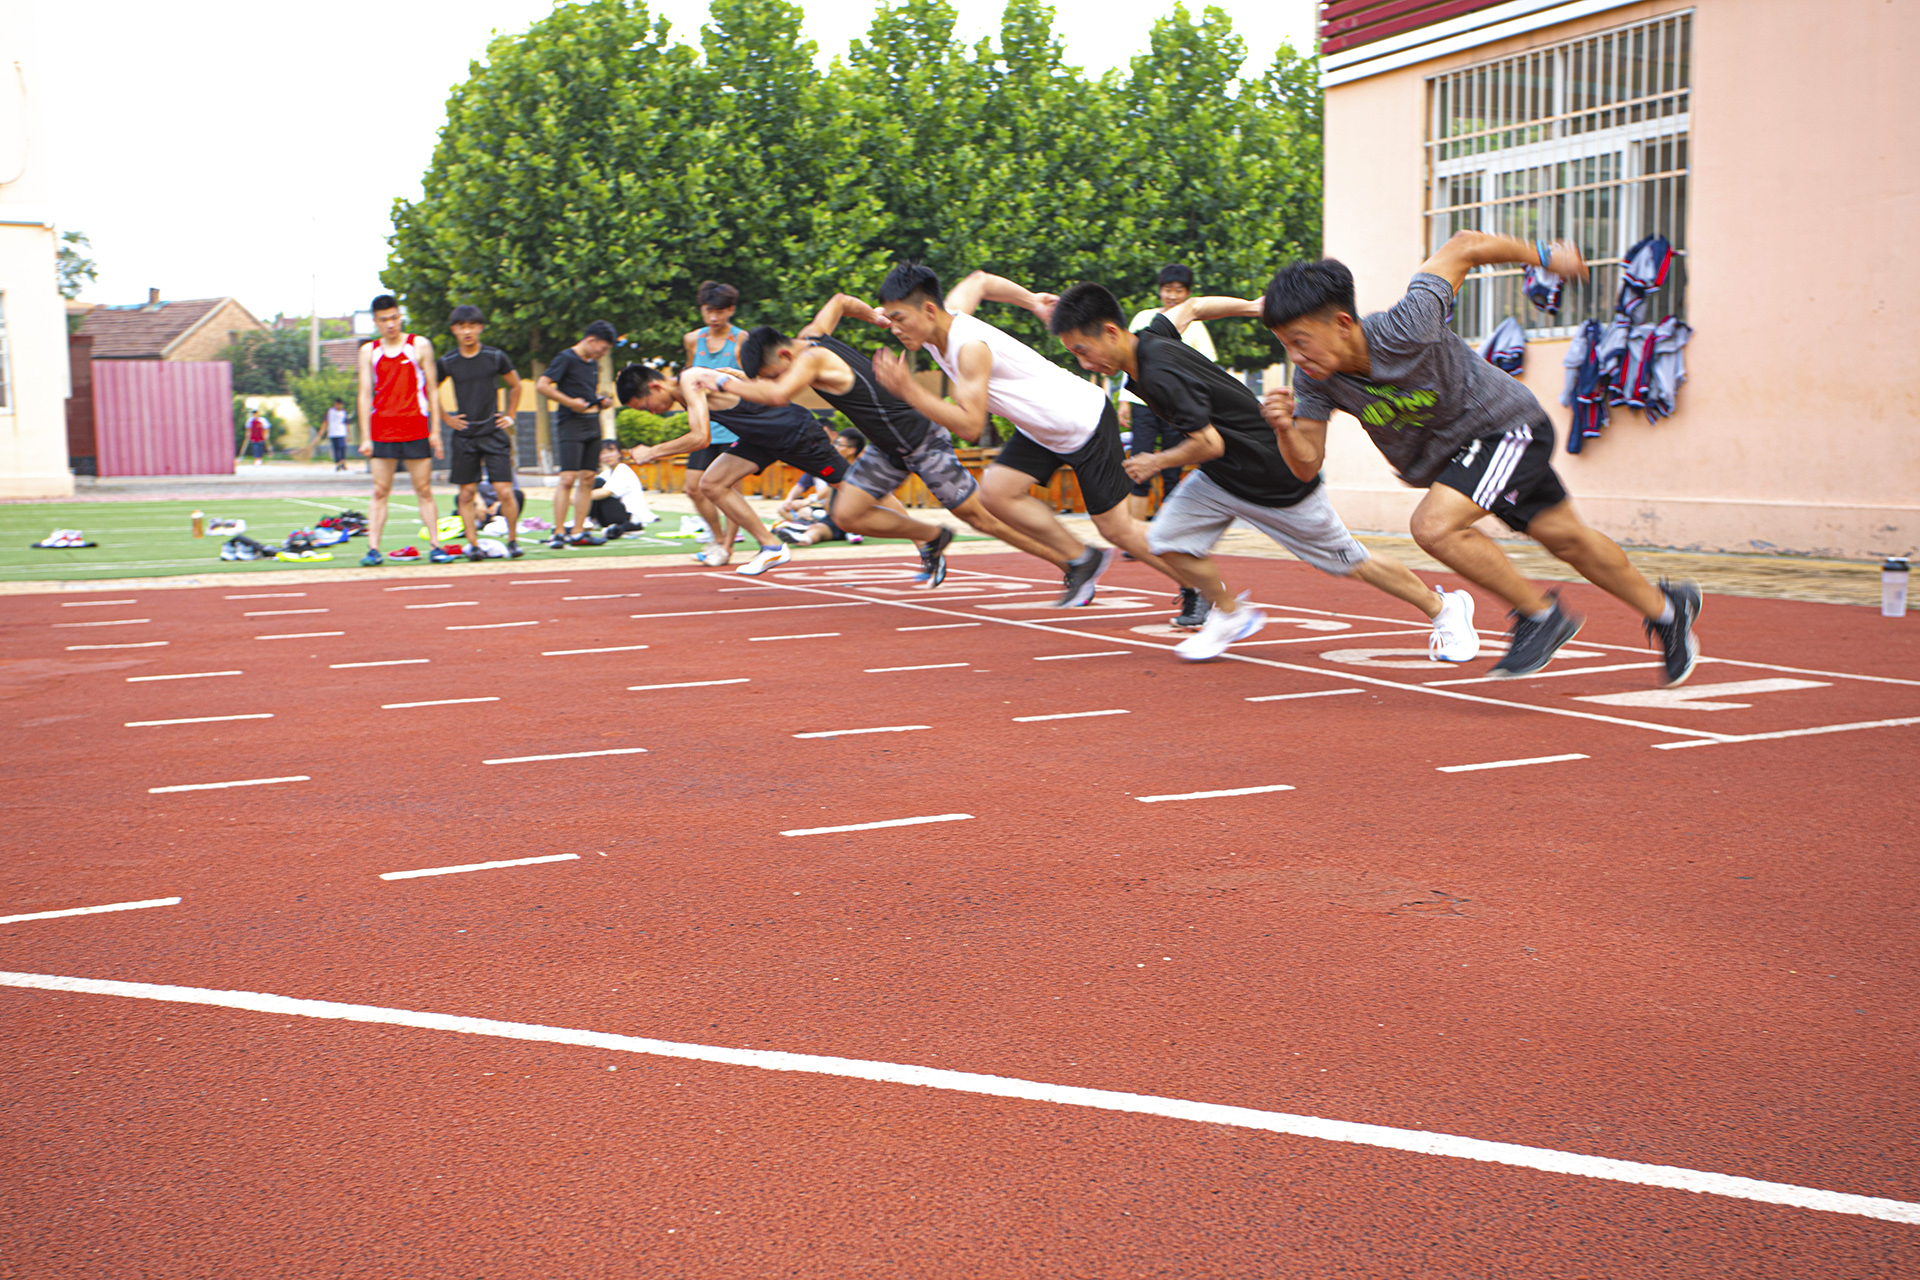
(92, 604)
(686, 684)
(281, 613)
(443, 604)
(116, 622)
(875, 826)
(423, 586)
(477, 866)
(438, 702)
(1508, 764)
(184, 675)
(620, 595)
(809, 635)
(492, 626)
(257, 715)
(1064, 657)
(1317, 693)
(537, 582)
(301, 635)
(92, 911)
(1419, 1142)
(616, 648)
(136, 644)
(843, 733)
(930, 666)
(941, 626)
(222, 786)
(386, 662)
(1069, 715)
(269, 595)
(1214, 795)
(1791, 733)
(1545, 675)
(758, 608)
(565, 755)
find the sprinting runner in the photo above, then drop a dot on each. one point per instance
(400, 403)
(1062, 421)
(1146, 433)
(717, 346)
(1470, 434)
(766, 433)
(480, 439)
(901, 442)
(572, 381)
(1245, 471)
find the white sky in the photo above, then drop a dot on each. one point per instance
(227, 147)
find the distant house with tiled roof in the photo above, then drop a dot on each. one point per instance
(342, 353)
(192, 329)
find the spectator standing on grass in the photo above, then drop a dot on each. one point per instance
(256, 437)
(480, 439)
(400, 403)
(337, 433)
(572, 381)
(1148, 433)
(619, 499)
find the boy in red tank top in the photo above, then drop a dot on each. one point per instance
(400, 403)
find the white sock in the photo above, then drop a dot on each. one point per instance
(1666, 614)
(1541, 616)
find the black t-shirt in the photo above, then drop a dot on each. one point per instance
(578, 380)
(1187, 391)
(474, 384)
(887, 421)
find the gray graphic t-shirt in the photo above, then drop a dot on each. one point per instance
(1428, 392)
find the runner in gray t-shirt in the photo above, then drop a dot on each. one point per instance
(1469, 433)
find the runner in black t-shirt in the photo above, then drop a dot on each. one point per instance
(572, 381)
(480, 439)
(1244, 471)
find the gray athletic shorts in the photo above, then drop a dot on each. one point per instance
(1192, 520)
(879, 473)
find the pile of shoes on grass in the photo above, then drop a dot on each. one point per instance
(300, 544)
(63, 539)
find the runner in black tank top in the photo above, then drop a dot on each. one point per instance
(887, 423)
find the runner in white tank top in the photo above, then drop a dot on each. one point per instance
(1046, 402)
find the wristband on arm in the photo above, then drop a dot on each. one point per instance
(1545, 251)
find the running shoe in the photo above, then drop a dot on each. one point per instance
(1220, 630)
(405, 553)
(714, 557)
(700, 556)
(1453, 638)
(1082, 576)
(1194, 610)
(474, 552)
(440, 555)
(933, 557)
(558, 541)
(585, 539)
(613, 532)
(1678, 645)
(513, 550)
(777, 554)
(373, 559)
(1531, 645)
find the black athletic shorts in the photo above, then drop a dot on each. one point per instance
(701, 459)
(580, 455)
(812, 451)
(488, 449)
(402, 450)
(1510, 475)
(1096, 464)
(1150, 435)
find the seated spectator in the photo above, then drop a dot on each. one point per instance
(490, 501)
(808, 506)
(619, 499)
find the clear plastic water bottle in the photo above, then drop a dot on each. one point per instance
(1894, 575)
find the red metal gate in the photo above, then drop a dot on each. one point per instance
(163, 417)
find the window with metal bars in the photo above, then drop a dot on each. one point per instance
(1585, 141)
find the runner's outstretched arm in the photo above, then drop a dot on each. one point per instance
(979, 287)
(838, 307)
(799, 376)
(966, 414)
(1302, 443)
(1469, 249)
(1211, 308)
(1201, 446)
(699, 425)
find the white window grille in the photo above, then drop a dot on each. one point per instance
(1585, 141)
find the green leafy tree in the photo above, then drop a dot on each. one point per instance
(265, 361)
(75, 270)
(315, 394)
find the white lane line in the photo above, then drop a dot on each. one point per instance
(300, 635)
(686, 684)
(92, 604)
(537, 582)
(423, 586)
(758, 608)
(942, 626)
(117, 622)
(269, 595)
(570, 755)
(137, 644)
(257, 715)
(1317, 693)
(1814, 732)
(443, 604)
(1213, 795)
(1069, 715)
(477, 866)
(875, 826)
(619, 595)
(279, 613)
(385, 662)
(1508, 764)
(184, 675)
(930, 666)
(616, 648)
(843, 733)
(1065, 657)
(1418, 1142)
(492, 626)
(437, 702)
(222, 786)
(809, 635)
(1322, 637)
(684, 573)
(92, 911)
(1541, 675)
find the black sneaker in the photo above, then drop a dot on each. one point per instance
(1194, 609)
(1678, 645)
(1531, 645)
(933, 557)
(586, 539)
(1082, 575)
(474, 552)
(558, 541)
(614, 531)
(513, 550)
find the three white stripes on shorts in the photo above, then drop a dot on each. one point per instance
(1506, 457)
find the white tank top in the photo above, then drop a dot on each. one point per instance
(1048, 404)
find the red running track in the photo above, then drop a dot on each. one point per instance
(1695, 958)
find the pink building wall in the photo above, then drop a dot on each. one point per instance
(1799, 426)
(163, 417)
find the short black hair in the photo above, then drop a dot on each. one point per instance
(712, 293)
(602, 330)
(1308, 289)
(1084, 308)
(1175, 273)
(385, 302)
(609, 444)
(908, 279)
(465, 313)
(338, 400)
(852, 434)
(636, 378)
(753, 352)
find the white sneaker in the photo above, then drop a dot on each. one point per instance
(1453, 638)
(777, 554)
(700, 556)
(1220, 630)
